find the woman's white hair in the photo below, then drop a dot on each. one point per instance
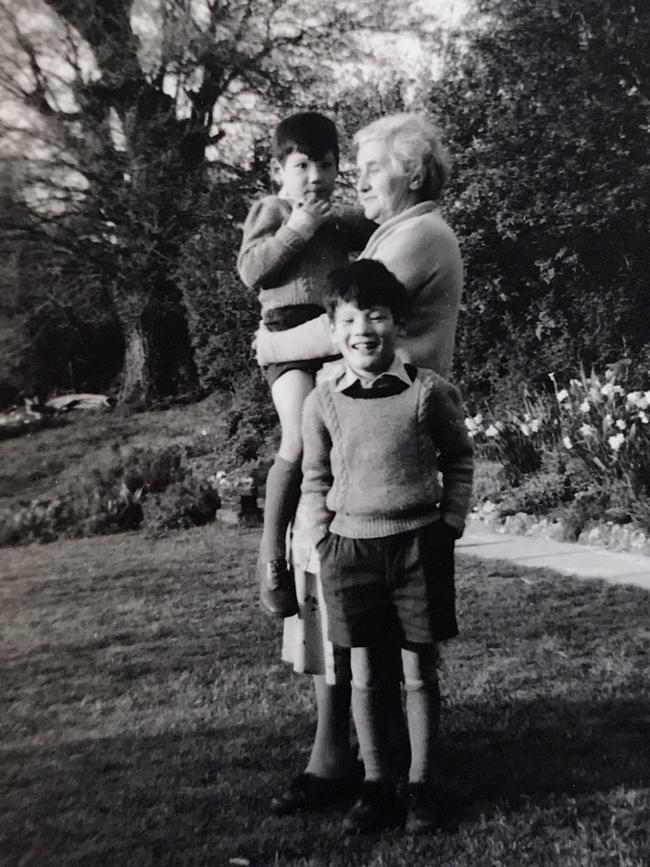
(414, 144)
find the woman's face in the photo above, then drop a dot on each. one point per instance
(384, 188)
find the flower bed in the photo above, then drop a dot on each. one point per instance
(571, 464)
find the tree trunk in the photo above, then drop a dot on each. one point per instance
(136, 385)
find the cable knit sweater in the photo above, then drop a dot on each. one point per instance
(422, 251)
(370, 467)
(287, 268)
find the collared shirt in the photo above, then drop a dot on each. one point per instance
(393, 380)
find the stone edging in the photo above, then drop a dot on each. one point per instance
(611, 536)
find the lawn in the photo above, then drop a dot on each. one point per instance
(145, 718)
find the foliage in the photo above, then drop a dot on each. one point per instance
(586, 445)
(125, 487)
(252, 424)
(545, 106)
(222, 313)
(130, 114)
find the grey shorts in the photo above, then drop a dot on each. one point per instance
(400, 586)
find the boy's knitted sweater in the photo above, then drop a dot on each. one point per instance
(370, 467)
(285, 267)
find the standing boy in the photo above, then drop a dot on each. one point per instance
(375, 440)
(291, 241)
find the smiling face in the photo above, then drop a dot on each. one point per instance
(302, 178)
(366, 338)
(384, 187)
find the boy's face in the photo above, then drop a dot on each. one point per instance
(366, 338)
(302, 178)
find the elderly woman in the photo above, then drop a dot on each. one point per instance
(402, 168)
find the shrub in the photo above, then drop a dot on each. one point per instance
(126, 488)
(583, 449)
(222, 313)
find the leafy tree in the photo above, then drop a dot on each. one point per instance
(546, 110)
(130, 112)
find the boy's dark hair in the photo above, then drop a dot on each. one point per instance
(307, 132)
(365, 283)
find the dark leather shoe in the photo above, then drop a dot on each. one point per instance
(375, 810)
(422, 811)
(309, 792)
(277, 588)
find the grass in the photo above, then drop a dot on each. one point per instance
(145, 718)
(35, 464)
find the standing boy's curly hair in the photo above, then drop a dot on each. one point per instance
(308, 132)
(365, 283)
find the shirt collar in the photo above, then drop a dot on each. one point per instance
(348, 377)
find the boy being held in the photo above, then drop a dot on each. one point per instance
(375, 439)
(291, 242)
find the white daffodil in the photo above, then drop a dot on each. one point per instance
(621, 424)
(567, 442)
(585, 406)
(525, 429)
(535, 425)
(616, 441)
(588, 430)
(491, 431)
(562, 395)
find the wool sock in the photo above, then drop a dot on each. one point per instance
(423, 718)
(331, 756)
(369, 713)
(280, 504)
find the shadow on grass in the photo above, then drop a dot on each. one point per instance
(200, 796)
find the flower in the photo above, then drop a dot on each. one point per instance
(609, 389)
(587, 430)
(562, 395)
(491, 431)
(616, 441)
(525, 429)
(535, 425)
(585, 406)
(644, 418)
(621, 424)
(567, 442)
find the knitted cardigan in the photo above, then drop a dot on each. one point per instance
(422, 251)
(370, 467)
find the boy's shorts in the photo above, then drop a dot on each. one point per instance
(397, 587)
(282, 319)
(274, 371)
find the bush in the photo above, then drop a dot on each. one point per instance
(222, 313)
(126, 488)
(545, 114)
(581, 450)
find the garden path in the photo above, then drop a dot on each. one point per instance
(568, 558)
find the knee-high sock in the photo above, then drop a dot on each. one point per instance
(423, 718)
(369, 713)
(280, 504)
(331, 756)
